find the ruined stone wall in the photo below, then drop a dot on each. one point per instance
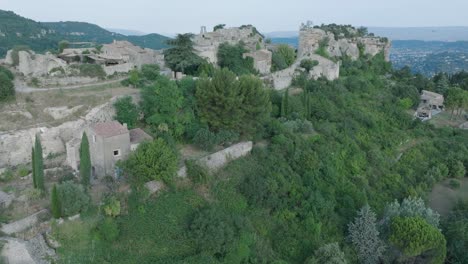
(221, 158)
(15, 146)
(35, 65)
(206, 44)
(262, 60)
(310, 38)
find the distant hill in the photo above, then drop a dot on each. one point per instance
(82, 31)
(126, 32)
(16, 30)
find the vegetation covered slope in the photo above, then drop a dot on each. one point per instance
(17, 30)
(323, 154)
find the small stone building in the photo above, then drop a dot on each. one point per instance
(431, 104)
(432, 100)
(109, 142)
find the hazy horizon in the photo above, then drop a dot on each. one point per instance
(188, 16)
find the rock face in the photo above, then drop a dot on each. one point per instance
(32, 64)
(206, 45)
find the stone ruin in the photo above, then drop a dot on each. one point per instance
(116, 57)
(206, 45)
(309, 42)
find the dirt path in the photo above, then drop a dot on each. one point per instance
(23, 88)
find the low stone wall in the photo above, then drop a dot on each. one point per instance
(65, 81)
(23, 224)
(219, 159)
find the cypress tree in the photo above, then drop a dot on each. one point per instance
(38, 165)
(55, 203)
(85, 161)
(285, 104)
(33, 168)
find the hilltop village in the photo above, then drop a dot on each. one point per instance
(228, 148)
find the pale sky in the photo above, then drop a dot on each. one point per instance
(179, 16)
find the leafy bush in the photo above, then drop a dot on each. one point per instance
(454, 184)
(232, 57)
(7, 88)
(73, 198)
(109, 229)
(197, 172)
(150, 72)
(111, 206)
(152, 161)
(308, 64)
(283, 57)
(205, 139)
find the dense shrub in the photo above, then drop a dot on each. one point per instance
(152, 161)
(73, 198)
(232, 57)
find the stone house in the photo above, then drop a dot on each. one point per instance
(432, 100)
(431, 104)
(109, 142)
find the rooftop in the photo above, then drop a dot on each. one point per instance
(433, 95)
(109, 129)
(137, 135)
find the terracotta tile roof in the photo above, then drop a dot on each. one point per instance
(109, 129)
(137, 135)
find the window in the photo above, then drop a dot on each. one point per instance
(116, 152)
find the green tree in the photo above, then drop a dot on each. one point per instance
(161, 104)
(134, 78)
(285, 104)
(327, 254)
(219, 26)
(365, 236)
(457, 169)
(456, 232)
(225, 103)
(414, 237)
(55, 203)
(85, 161)
(181, 57)
(410, 207)
(64, 44)
(150, 72)
(442, 86)
(126, 111)
(38, 165)
(7, 88)
(232, 57)
(152, 161)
